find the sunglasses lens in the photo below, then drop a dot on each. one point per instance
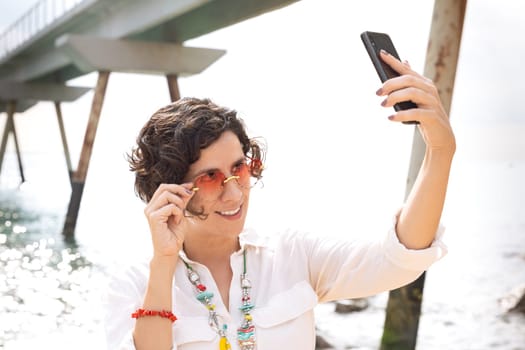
(210, 184)
(243, 172)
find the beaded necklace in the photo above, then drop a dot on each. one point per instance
(246, 332)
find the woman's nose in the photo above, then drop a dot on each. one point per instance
(231, 189)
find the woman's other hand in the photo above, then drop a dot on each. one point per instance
(165, 214)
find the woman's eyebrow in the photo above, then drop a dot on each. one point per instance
(207, 170)
(204, 171)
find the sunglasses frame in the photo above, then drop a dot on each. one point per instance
(255, 168)
(224, 182)
(254, 163)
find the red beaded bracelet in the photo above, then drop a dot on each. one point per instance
(165, 314)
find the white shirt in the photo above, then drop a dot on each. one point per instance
(290, 273)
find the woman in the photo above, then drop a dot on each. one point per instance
(213, 284)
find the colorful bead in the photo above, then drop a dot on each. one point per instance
(246, 333)
(246, 337)
(247, 345)
(245, 283)
(210, 306)
(246, 307)
(193, 277)
(203, 296)
(201, 287)
(163, 313)
(224, 344)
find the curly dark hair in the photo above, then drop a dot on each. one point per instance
(173, 138)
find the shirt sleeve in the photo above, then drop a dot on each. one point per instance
(124, 294)
(340, 269)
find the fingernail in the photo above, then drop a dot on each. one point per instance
(384, 52)
(379, 92)
(383, 103)
(391, 117)
(188, 191)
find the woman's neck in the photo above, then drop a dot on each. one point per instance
(209, 250)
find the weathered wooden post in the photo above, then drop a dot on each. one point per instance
(10, 111)
(173, 87)
(63, 137)
(404, 304)
(79, 176)
(10, 129)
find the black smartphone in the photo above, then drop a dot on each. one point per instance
(374, 42)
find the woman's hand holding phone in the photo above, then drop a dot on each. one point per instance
(411, 86)
(414, 97)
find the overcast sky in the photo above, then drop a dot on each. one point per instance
(11, 10)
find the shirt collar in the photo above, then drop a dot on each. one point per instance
(247, 238)
(250, 237)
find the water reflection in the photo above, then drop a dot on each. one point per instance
(45, 283)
